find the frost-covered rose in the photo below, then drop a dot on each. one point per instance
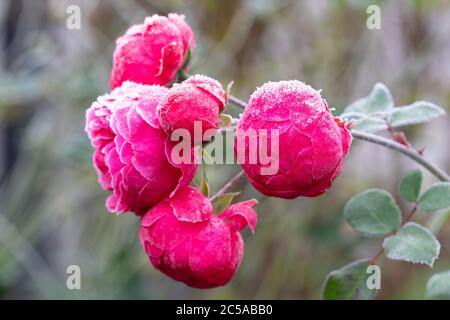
(185, 241)
(312, 143)
(152, 52)
(198, 99)
(132, 152)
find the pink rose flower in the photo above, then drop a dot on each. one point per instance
(132, 152)
(185, 241)
(152, 52)
(198, 99)
(312, 143)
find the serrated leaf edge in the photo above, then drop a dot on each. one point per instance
(430, 188)
(409, 260)
(441, 112)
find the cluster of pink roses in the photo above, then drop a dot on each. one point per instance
(131, 129)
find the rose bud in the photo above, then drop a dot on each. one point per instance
(310, 144)
(193, 105)
(132, 154)
(152, 52)
(185, 241)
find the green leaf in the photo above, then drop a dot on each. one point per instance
(225, 120)
(412, 243)
(228, 91)
(370, 124)
(436, 198)
(204, 187)
(373, 213)
(206, 156)
(438, 286)
(352, 116)
(379, 100)
(410, 185)
(348, 283)
(222, 202)
(418, 112)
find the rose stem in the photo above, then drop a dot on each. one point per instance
(228, 185)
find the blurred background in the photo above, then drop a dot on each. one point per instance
(52, 211)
